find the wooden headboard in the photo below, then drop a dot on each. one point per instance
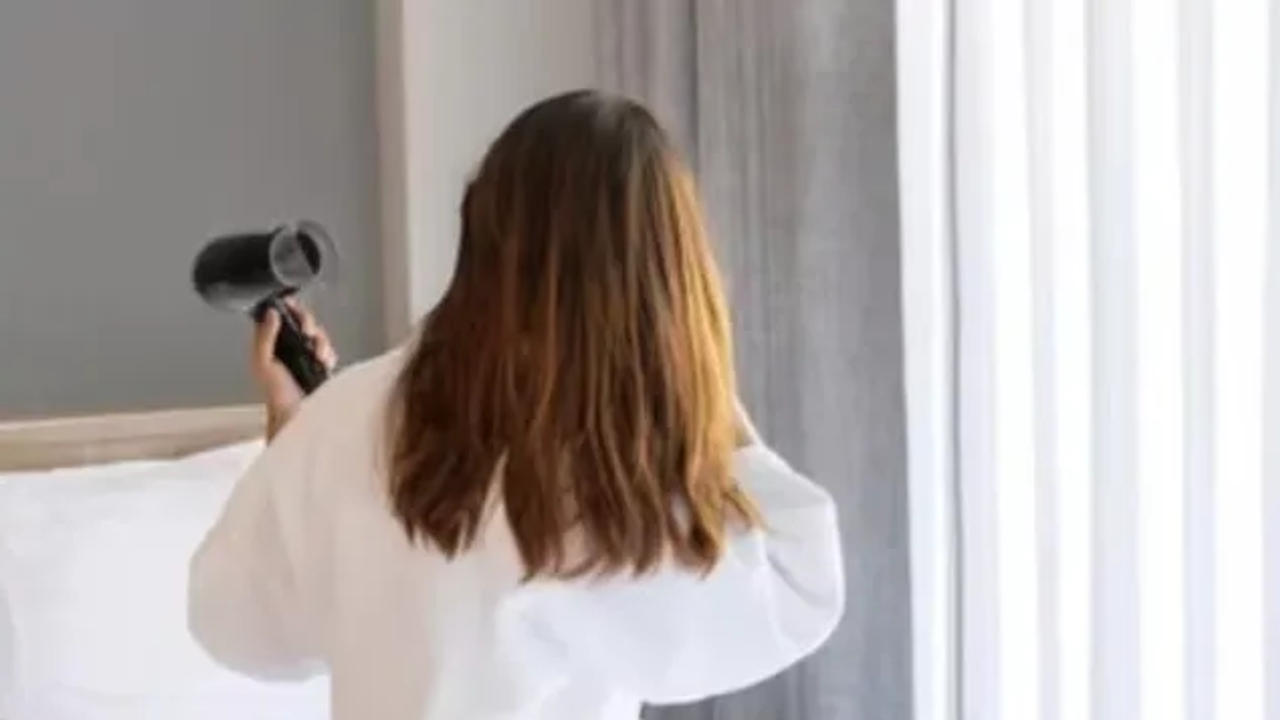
(90, 439)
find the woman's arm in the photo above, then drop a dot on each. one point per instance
(678, 636)
(244, 602)
(280, 392)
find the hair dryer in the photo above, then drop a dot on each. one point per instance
(253, 272)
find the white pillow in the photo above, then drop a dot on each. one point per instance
(93, 580)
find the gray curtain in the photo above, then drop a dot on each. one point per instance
(786, 109)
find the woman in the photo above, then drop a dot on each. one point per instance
(548, 506)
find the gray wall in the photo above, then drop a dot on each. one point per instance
(132, 129)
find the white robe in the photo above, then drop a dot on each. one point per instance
(308, 572)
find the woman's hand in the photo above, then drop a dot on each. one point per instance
(280, 392)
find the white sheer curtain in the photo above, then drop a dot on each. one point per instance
(1091, 283)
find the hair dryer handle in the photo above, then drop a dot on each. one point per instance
(293, 350)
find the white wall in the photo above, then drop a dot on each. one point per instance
(453, 73)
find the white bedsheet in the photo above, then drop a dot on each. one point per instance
(93, 577)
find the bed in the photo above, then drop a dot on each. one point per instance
(98, 518)
(44, 444)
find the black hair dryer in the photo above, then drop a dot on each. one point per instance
(254, 271)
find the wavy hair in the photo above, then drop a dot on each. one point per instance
(580, 357)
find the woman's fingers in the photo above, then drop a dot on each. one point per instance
(264, 341)
(280, 390)
(324, 350)
(311, 328)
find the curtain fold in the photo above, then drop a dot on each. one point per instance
(1093, 409)
(924, 40)
(787, 112)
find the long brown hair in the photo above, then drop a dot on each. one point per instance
(583, 346)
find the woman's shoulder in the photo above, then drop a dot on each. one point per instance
(347, 411)
(361, 385)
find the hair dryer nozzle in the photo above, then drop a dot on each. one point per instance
(250, 272)
(244, 270)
